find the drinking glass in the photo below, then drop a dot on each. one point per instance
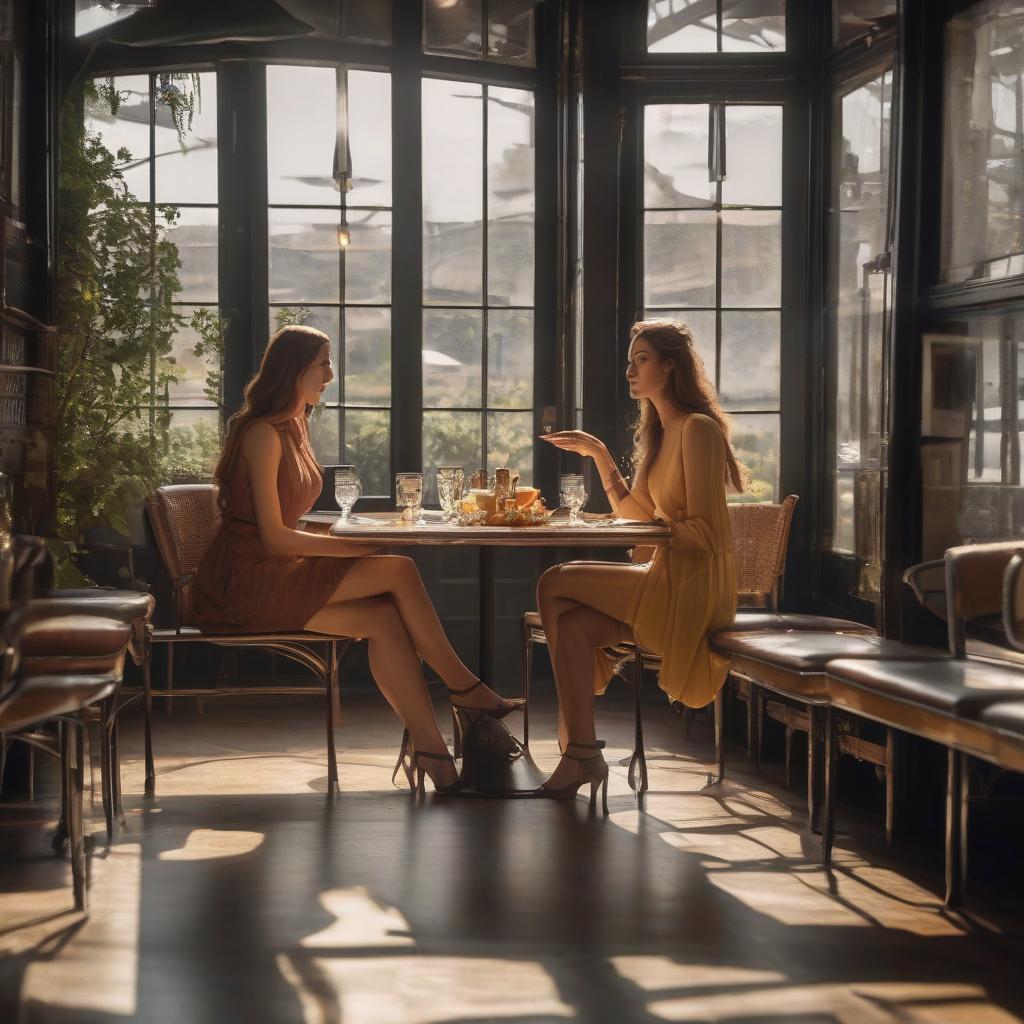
(409, 493)
(451, 482)
(347, 489)
(572, 493)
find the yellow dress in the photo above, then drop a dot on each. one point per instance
(688, 589)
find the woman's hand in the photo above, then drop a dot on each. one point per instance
(578, 441)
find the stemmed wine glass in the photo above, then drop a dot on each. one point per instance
(451, 482)
(409, 493)
(572, 493)
(347, 489)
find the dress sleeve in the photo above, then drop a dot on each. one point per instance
(703, 457)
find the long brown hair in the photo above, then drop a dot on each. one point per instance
(270, 394)
(689, 388)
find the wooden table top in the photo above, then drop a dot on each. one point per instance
(388, 528)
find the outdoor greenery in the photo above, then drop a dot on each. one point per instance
(118, 278)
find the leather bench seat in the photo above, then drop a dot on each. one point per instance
(1006, 721)
(61, 644)
(939, 700)
(760, 618)
(129, 606)
(35, 699)
(792, 662)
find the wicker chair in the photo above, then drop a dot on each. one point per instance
(760, 535)
(184, 519)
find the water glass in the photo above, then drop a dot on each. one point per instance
(409, 493)
(572, 493)
(347, 489)
(451, 482)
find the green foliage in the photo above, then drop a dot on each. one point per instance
(117, 279)
(759, 453)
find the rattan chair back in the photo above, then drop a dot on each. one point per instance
(760, 539)
(185, 518)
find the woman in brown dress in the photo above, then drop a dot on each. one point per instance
(262, 572)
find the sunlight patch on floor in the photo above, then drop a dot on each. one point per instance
(787, 899)
(360, 921)
(213, 844)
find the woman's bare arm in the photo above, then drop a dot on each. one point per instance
(261, 449)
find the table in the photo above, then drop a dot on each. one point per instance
(388, 529)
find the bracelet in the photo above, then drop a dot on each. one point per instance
(617, 486)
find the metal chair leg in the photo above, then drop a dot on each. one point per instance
(890, 785)
(957, 795)
(147, 704)
(757, 713)
(170, 676)
(71, 772)
(815, 784)
(639, 759)
(719, 738)
(527, 672)
(828, 825)
(333, 714)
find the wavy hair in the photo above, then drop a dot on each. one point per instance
(270, 395)
(690, 390)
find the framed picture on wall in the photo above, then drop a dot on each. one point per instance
(949, 369)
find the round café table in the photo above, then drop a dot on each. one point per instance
(390, 531)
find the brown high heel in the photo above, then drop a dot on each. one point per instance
(593, 769)
(463, 717)
(415, 772)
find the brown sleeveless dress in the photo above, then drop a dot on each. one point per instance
(239, 586)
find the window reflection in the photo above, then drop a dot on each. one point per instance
(972, 390)
(729, 26)
(855, 19)
(457, 28)
(983, 217)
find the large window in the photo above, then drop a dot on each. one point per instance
(329, 187)
(983, 173)
(716, 26)
(165, 144)
(712, 245)
(478, 276)
(860, 302)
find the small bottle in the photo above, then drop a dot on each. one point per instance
(502, 483)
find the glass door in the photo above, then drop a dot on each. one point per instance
(860, 297)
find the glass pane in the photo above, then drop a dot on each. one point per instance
(750, 372)
(367, 357)
(511, 196)
(186, 167)
(755, 438)
(509, 359)
(368, 448)
(452, 193)
(193, 445)
(304, 262)
(843, 532)
(449, 439)
(91, 15)
(510, 31)
(368, 257)
(753, 145)
(676, 156)
(197, 377)
(679, 258)
(453, 26)
(983, 197)
(702, 325)
(681, 26)
(751, 258)
(761, 32)
(323, 318)
(355, 21)
(452, 358)
(854, 19)
(195, 234)
(369, 137)
(128, 129)
(301, 115)
(325, 434)
(510, 443)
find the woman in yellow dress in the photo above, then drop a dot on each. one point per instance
(682, 463)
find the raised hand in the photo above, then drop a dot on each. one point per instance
(578, 441)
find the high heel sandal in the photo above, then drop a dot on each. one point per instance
(593, 769)
(463, 717)
(415, 772)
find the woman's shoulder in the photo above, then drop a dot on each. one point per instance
(260, 436)
(701, 424)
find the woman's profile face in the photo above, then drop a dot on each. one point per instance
(316, 377)
(646, 372)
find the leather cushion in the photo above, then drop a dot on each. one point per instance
(83, 636)
(1006, 716)
(125, 605)
(950, 685)
(807, 651)
(758, 618)
(36, 698)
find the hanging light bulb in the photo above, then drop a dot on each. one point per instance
(344, 235)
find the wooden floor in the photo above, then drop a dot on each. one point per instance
(240, 894)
